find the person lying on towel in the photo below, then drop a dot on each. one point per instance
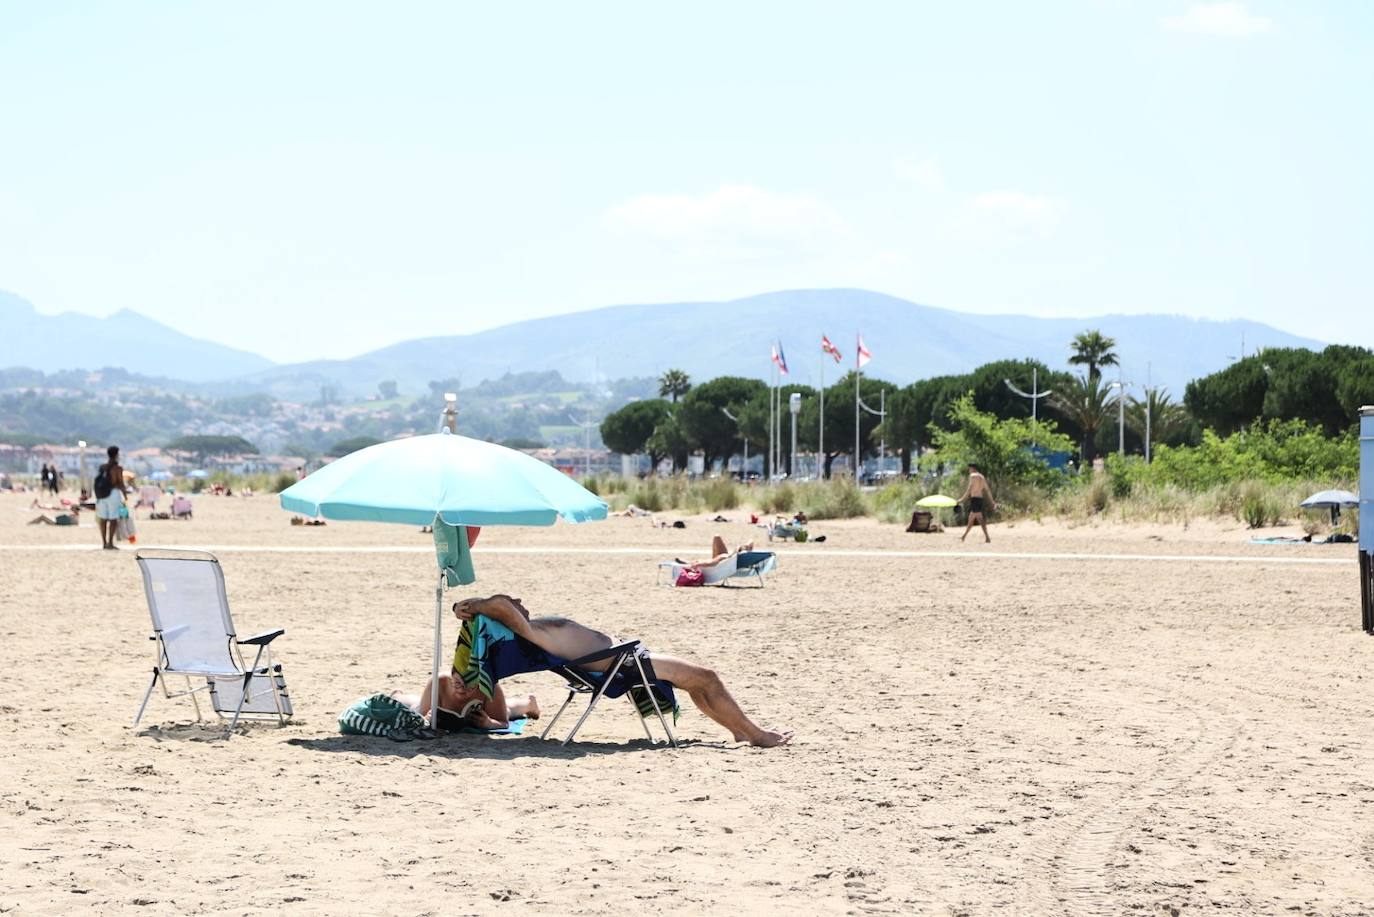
(566, 639)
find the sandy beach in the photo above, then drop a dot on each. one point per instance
(1092, 719)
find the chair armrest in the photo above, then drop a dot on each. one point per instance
(263, 638)
(603, 654)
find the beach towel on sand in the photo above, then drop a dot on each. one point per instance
(488, 651)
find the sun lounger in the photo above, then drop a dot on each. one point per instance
(195, 638)
(746, 565)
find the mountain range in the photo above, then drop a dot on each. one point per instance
(125, 339)
(908, 342)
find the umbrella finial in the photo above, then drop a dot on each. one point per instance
(448, 419)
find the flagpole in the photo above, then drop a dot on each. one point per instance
(820, 434)
(768, 465)
(858, 378)
(777, 421)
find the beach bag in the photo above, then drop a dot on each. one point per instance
(690, 577)
(380, 715)
(102, 484)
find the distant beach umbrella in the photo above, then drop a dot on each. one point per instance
(443, 480)
(1334, 500)
(160, 476)
(937, 501)
(198, 473)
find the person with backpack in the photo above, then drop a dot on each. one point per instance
(110, 491)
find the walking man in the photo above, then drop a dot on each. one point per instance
(980, 502)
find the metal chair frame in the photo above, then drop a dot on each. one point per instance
(262, 660)
(582, 681)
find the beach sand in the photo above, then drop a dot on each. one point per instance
(1085, 719)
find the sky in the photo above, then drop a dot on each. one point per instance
(318, 179)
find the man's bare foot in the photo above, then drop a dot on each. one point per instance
(532, 712)
(770, 739)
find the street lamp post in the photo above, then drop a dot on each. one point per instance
(881, 414)
(1120, 387)
(1034, 394)
(744, 470)
(794, 406)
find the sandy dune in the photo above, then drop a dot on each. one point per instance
(976, 734)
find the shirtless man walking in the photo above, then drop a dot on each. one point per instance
(567, 639)
(979, 497)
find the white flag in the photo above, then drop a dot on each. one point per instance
(864, 355)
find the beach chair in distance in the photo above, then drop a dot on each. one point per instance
(195, 638)
(746, 565)
(628, 660)
(181, 507)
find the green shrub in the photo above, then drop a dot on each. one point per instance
(647, 495)
(1125, 473)
(1096, 495)
(282, 481)
(839, 498)
(721, 493)
(1258, 508)
(781, 498)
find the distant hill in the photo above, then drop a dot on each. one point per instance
(125, 339)
(908, 341)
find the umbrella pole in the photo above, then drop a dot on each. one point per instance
(438, 649)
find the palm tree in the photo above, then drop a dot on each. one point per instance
(1094, 351)
(1168, 419)
(1083, 403)
(673, 384)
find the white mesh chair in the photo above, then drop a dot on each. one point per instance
(195, 638)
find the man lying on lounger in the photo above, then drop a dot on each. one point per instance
(567, 639)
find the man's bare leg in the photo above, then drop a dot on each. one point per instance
(711, 696)
(570, 640)
(968, 528)
(983, 523)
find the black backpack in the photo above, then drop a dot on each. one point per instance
(102, 483)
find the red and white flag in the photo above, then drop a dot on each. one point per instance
(779, 359)
(863, 356)
(827, 347)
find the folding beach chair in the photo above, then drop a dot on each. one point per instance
(628, 660)
(195, 638)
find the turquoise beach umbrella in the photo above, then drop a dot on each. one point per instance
(459, 480)
(446, 481)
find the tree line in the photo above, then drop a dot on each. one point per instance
(1321, 389)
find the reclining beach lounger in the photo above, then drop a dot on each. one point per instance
(747, 565)
(195, 638)
(488, 651)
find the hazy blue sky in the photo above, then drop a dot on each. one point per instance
(318, 179)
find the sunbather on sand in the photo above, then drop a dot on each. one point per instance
(567, 639)
(70, 517)
(718, 554)
(495, 713)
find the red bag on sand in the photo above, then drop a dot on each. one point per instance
(690, 577)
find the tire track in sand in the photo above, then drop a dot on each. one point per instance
(1071, 872)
